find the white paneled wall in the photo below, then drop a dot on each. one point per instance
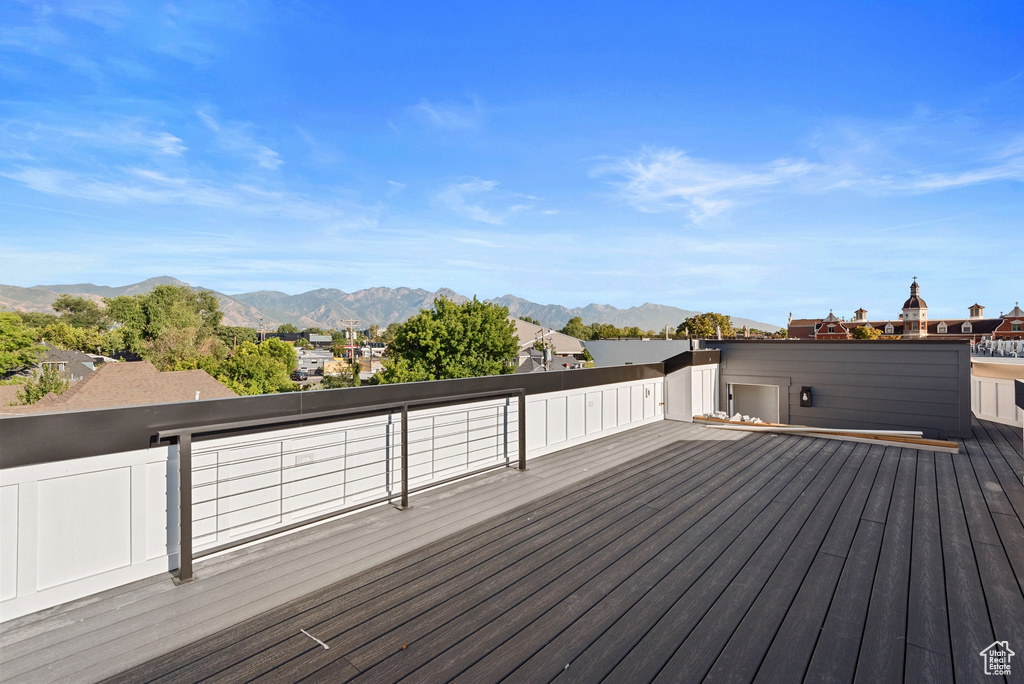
(78, 527)
(992, 399)
(74, 528)
(557, 420)
(691, 391)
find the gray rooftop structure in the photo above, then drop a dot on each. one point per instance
(633, 352)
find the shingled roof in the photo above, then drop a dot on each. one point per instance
(129, 384)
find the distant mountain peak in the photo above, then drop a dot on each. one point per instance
(329, 307)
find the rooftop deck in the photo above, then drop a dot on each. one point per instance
(671, 552)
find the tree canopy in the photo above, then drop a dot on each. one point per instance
(17, 343)
(171, 326)
(258, 368)
(80, 312)
(866, 332)
(706, 326)
(49, 380)
(602, 331)
(452, 341)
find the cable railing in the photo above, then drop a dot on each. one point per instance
(245, 481)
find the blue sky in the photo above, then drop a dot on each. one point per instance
(746, 157)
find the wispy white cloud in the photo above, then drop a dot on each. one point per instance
(658, 180)
(923, 154)
(48, 139)
(457, 198)
(134, 186)
(236, 137)
(447, 116)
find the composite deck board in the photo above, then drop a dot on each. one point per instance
(521, 533)
(994, 447)
(517, 606)
(1004, 473)
(1013, 435)
(563, 632)
(1002, 593)
(690, 641)
(685, 552)
(1008, 441)
(653, 615)
(348, 616)
(883, 648)
(379, 634)
(490, 541)
(991, 488)
(835, 654)
(742, 657)
(927, 616)
(968, 618)
(85, 647)
(793, 646)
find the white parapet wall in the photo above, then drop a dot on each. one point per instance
(73, 528)
(691, 391)
(993, 399)
(557, 420)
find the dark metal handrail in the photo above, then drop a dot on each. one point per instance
(184, 437)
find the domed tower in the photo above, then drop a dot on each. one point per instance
(915, 314)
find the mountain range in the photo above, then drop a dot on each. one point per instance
(329, 308)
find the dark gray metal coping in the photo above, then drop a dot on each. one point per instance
(793, 341)
(697, 357)
(1018, 390)
(51, 437)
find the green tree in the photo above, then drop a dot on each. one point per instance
(37, 319)
(18, 346)
(48, 380)
(706, 326)
(80, 312)
(529, 319)
(575, 328)
(348, 378)
(866, 332)
(287, 328)
(151, 324)
(111, 343)
(65, 336)
(232, 335)
(452, 341)
(184, 349)
(374, 333)
(258, 368)
(388, 335)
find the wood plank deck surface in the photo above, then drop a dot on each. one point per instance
(679, 555)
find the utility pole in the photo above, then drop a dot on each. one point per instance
(350, 324)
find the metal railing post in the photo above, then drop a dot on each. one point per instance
(185, 573)
(504, 432)
(387, 456)
(522, 429)
(405, 456)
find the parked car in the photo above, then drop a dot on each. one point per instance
(300, 374)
